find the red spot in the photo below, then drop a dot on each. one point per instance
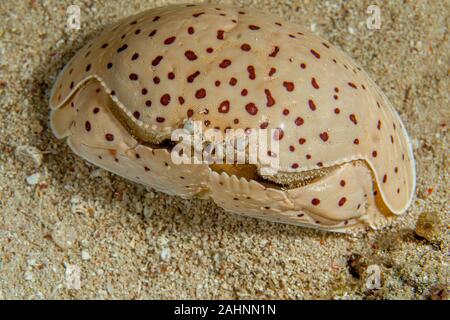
(253, 27)
(244, 92)
(351, 84)
(190, 55)
(156, 18)
(251, 108)
(165, 99)
(251, 72)
(264, 125)
(379, 125)
(275, 51)
(294, 166)
(190, 113)
(303, 66)
(272, 71)
(200, 93)
(196, 15)
(169, 40)
(308, 156)
(245, 47)
(191, 30)
(156, 80)
(285, 112)
(299, 121)
(342, 183)
(291, 148)
(342, 201)
(96, 110)
(87, 125)
(109, 137)
(209, 50)
(220, 34)
(270, 99)
(133, 76)
(148, 103)
(384, 178)
(181, 100)
(192, 77)
(160, 119)
(217, 83)
(233, 81)
(301, 141)
(124, 47)
(289, 86)
(157, 60)
(356, 141)
(224, 106)
(315, 201)
(225, 63)
(171, 75)
(278, 135)
(312, 105)
(324, 136)
(353, 119)
(314, 83)
(315, 53)
(337, 110)
(135, 56)
(374, 153)
(136, 114)
(151, 34)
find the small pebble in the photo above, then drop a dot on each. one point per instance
(26, 152)
(33, 179)
(28, 276)
(428, 226)
(439, 292)
(85, 255)
(165, 254)
(64, 236)
(31, 262)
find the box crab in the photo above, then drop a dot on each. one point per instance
(344, 159)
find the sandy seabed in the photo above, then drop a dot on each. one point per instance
(129, 242)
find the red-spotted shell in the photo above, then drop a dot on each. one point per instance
(234, 68)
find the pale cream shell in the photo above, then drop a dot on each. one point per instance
(337, 102)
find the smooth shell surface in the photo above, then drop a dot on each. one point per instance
(232, 68)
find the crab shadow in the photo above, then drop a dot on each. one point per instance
(63, 167)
